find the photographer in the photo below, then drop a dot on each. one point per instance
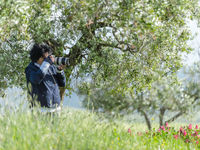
(44, 79)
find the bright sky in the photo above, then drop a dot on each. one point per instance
(195, 43)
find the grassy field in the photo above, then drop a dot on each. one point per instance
(77, 130)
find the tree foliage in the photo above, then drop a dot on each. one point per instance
(165, 97)
(122, 40)
(192, 86)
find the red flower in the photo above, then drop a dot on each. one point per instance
(176, 136)
(196, 127)
(129, 131)
(184, 133)
(196, 133)
(187, 140)
(190, 126)
(181, 130)
(163, 128)
(197, 142)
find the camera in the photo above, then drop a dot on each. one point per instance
(61, 61)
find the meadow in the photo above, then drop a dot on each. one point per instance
(80, 130)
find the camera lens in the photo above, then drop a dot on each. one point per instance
(61, 61)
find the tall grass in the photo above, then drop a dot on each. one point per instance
(74, 130)
(22, 129)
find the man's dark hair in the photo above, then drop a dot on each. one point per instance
(38, 51)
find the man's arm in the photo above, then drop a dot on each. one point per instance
(36, 77)
(60, 77)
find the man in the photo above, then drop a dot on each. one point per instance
(45, 79)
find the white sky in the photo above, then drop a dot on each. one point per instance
(189, 59)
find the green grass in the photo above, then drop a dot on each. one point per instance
(76, 130)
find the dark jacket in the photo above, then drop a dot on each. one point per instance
(44, 85)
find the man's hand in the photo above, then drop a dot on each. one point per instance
(52, 58)
(61, 67)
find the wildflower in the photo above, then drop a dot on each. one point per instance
(187, 140)
(166, 124)
(184, 133)
(129, 131)
(181, 129)
(176, 136)
(196, 127)
(197, 142)
(198, 136)
(194, 134)
(163, 128)
(190, 126)
(158, 130)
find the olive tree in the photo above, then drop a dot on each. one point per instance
(192, 78)
(165, 99)
(100, 36)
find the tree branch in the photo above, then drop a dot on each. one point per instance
(109, 45)
(130, 48)
(174, 117)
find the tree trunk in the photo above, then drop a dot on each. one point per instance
(148, 122)
(161, 115)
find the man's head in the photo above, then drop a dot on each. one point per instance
(39, 52)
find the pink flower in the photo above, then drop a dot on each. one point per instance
(197, 142)
(196, 127)
(187, 140)
(198, 136)
(181, 129)
(184, 133)
(166, 124)
(176, 136)
(158, 130)
(163, 128)
(190, 126)
(129, 131)
(196, 133)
